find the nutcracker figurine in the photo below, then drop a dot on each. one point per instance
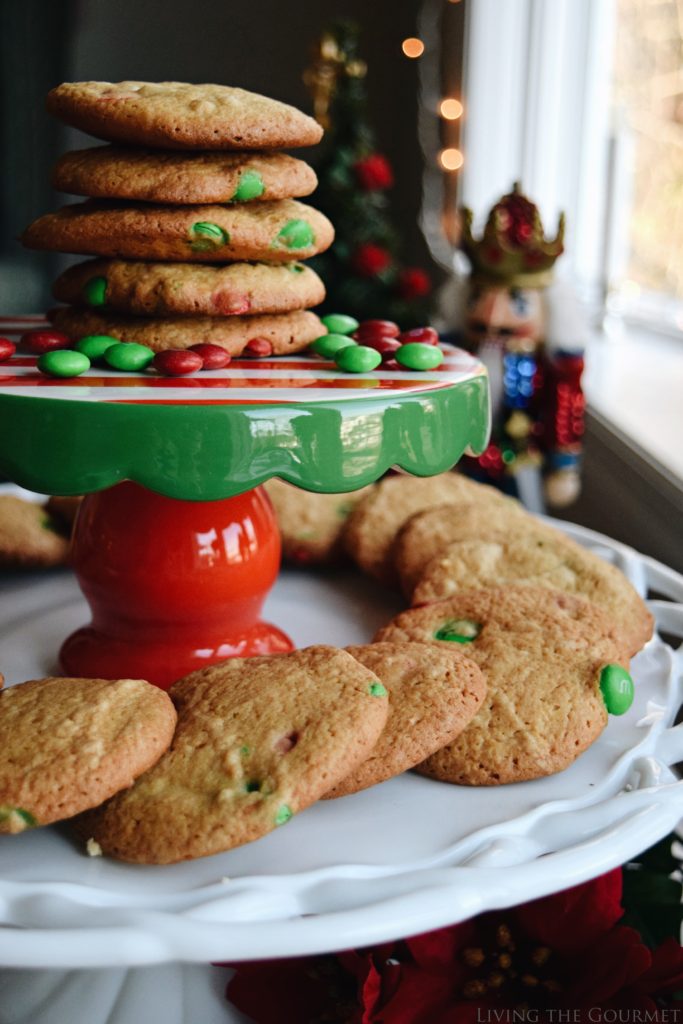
(528, 332)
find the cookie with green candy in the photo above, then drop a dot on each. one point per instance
(285, 332)
(311, 525)
(257, 741)
(66, 745)
(155, 176)
(552, 560)
(554, 664)
(30, 537)
(375, 522)
(278, 232)
(433, 694)
(137, 288)
(180, 115)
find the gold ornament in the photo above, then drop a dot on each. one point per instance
(321, 78)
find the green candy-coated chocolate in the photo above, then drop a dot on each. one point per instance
(26, 816)
(617, 690)
(95, 291)
(377, 690)
(340, 323)
(128, 355)
(329, 344)
(283, 815)
(417, 356)
(357, 358)
(205, 236)
(296, 234)
(458, 631)
(63, 362)
(95, 345)
(250, 186)
(296, 268)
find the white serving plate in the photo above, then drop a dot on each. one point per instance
(403, 857)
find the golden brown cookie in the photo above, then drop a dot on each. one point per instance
(190, 289)
(258, 739)
(433, 694)
(29, 535)
(311, 525)
(178, 115)
(543, 653)
(376, 520)
(68, 744)
(551, 561)
(427, 533)
(152, 176)
(287, 332)
(276, 232)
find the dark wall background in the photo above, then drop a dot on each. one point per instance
(262, 45)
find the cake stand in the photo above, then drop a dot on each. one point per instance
(397, 859)
(175, 546)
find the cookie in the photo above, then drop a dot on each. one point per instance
(68, 744)
(177, 115)
(433, 694)
(543, 654)
(551, 561)
(287, 332)
(426, 534)
(258, 739)
(276, 232)
(178, 289)
(30, 537)
(375, 522)
(311, 525)
(151, 176)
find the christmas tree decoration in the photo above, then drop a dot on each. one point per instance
(529, 332)
(363, 271)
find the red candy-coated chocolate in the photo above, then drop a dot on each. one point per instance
(7, 350)
(175, 362)
(39, 342)
(385, 346)
(376, 329)
(258, 347)
(422, 335)
(213, 356)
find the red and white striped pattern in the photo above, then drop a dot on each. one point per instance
(272, 381)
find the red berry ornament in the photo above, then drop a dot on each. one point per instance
(422, 335)
(7, 350)
(374, 172)
(370, 259)
(213, 356)
(259, 347)
(177, 362)
(40, 342)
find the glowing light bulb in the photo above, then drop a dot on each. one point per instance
(413, 47)
(451, 159)
(450, 109)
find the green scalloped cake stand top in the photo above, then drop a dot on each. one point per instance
(221, 432)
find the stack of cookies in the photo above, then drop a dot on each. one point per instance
(192, 216)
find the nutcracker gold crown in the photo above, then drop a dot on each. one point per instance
(513, 249)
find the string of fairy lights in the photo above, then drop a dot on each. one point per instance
(450, 108)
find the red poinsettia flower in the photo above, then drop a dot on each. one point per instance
(374, 172)
(563, 952)
(370, 259)
(414, 283)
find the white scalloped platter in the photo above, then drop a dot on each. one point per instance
(403, 857)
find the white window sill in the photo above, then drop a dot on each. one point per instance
(634, 384)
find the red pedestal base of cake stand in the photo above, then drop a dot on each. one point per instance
(173, 585)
